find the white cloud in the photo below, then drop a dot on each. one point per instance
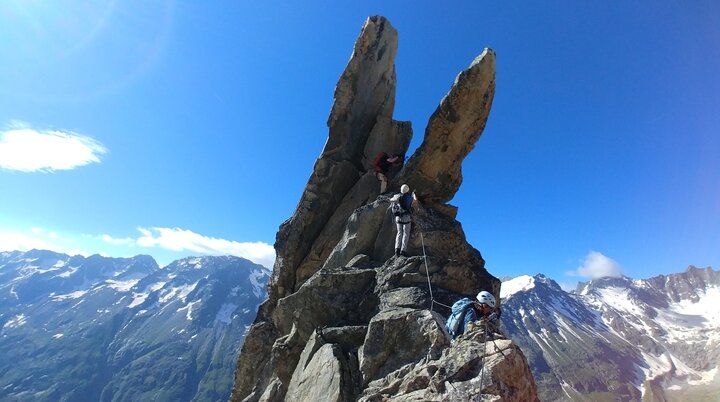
(118, 242)
(173, 239)
(12, 241)
(597, 265)
(18, 241)
(181, 240)
(29, 150)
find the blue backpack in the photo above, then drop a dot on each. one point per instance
(402, 206)
(458, 309)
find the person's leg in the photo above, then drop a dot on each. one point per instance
(383, 182)
(398, 237)
(405, 238)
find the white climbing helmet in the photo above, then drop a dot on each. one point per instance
(404, 188)
(486, 298)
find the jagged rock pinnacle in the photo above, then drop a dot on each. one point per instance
(434, 169)
(345, 319)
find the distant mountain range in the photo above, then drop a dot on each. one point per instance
(123, 329)
(621, 339)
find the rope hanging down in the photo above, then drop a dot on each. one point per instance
(482, 359)
(427, 273)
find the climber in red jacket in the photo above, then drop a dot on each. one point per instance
(383, 162)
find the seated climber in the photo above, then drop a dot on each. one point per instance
(382, 164)
(402, 208)
(466, 311)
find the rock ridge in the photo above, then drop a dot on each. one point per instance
(346, 320)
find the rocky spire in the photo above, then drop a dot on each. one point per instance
(451, 134)
(360, 125)
(345, 319)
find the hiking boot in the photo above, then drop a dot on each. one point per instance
(397, 252)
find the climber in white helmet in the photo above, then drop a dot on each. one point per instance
(402, 208)
(466, 312)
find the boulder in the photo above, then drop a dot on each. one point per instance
(318, 375)
(398, 337)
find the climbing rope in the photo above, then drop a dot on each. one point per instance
(427, 273)
(482, 359)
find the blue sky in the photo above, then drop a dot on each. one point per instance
(176, 128)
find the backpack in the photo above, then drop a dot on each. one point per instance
(456, 316)
(402, 206)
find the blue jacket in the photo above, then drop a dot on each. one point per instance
(471, 315)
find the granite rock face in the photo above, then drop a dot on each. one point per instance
(347, 320)
(451, 134)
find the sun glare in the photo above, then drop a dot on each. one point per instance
(80, 50)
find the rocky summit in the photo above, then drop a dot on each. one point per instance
(346, 319)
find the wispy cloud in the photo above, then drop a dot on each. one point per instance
(39, 239)
(168, 242)
(597, 265)
(27, 149)
(118, 242)
(10, 241)
(182, 240)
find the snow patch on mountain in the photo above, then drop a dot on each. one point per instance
(708, 306)
(138, 299)
(255, 277)
(68, 273)
(619, 299)
(122, 286)
(17, 321)
(73, 295)
(195, 263)
(515, 285)
(656, 365)
(224, 315)
(178, 292)
(189, 308)
(706, 377)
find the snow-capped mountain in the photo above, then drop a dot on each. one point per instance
(619, 338)
(123, 329)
